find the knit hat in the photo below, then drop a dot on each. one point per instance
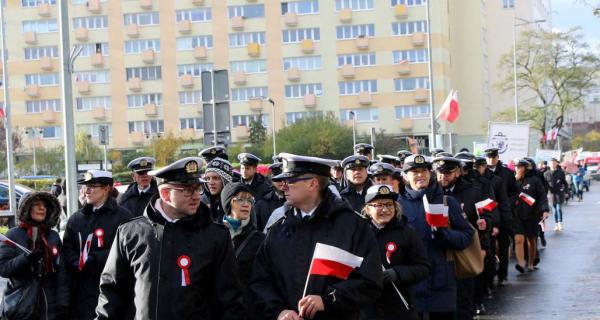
(221, 167)
(230, 191)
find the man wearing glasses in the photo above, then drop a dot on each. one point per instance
(138, 194)
(173, 262)
(280, 283)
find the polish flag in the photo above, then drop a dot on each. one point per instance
(486, 205)
(12, 243)
(527, 198)
(450, 111)
(331, 261)
(436, 215)
(2, 114)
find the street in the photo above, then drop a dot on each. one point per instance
(567, 284)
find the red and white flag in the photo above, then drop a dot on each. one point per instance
(527, 198)
(486, 205)
(12, 243)
(2, 114)
(85, 249)
(332, 261)
(436, 215)
(450, 110)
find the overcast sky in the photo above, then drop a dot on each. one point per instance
(572, 13)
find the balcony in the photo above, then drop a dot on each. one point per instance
(362, 43)
(46, 63)
(150, 110)
(81, 34)
(134, 84)
(43, 9)
(146, 4)
(253, 49)
(148, 56)
(237, 23)
(32, 90)
(291, 19)
(406, 124)
(418, 39)
(83, 87)
(241, 132)
(348, 71)
(97, 60)
(31, 37)
(49, 116)
(421, 95)
(136, 137)
(345, 15)
(401, 11)
(185, 26)
(256, 104)
(198, 2)
(133, 30)
(404, 68)
(187, 81)
(365, 98)
(94, 6)
(239, 78)
(308, 46)
(200, 53)
(293, 74)
(99, 113)
(310, 101)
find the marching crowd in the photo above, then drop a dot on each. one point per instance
(405, 237)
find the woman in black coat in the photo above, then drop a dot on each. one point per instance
(402, 253)
(237, 202)
(37, 214)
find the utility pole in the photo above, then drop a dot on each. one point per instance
(430, 79)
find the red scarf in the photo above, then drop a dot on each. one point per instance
(41, 241)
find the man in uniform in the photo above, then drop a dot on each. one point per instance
(254, 180)
(402, 154)
(219, 173)
(281, 284)
(355, 169)
(213, 152)
(337, 175)
(386, 158)
(173, 262)
(381, 173)
(364, 149)
(138, 194)
(274, 199)
(87, 239)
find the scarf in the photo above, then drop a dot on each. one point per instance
(41, 242)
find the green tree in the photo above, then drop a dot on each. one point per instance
(257, 132)
(85, 148)
(555, 69)
(589, 141)
(165, 148)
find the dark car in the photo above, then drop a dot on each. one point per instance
(19, 188)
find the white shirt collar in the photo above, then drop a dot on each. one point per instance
(96, 208)
(144, 190)
(307, 214)
(159, 208)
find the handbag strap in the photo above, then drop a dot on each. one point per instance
(245, 243)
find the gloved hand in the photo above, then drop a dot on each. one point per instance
(389, 275)
(35, 256)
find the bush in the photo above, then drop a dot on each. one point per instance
(123, 177)
(37, 184)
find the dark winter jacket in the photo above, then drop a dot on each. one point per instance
(264, 207)
(437, 293)
(557, 184)
(135, 202)
(512, 190)
(532, 186)
(259, 186)
(144, 263)
(17, 267)
(409, 261)
(505, 213)
(214, 205)
(84, 282)
(355, 199)
(283, 262)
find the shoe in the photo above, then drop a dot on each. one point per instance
(536, 261)
(543, 242)
(479, 309)
(560, 227)
(500, 283)
(520, 268)
(556, 227)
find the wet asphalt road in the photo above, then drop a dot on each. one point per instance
(567, 284)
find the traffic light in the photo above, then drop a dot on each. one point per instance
(103, 135)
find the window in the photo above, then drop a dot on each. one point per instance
(300, 7)
(410, 84)
(40, 26)
(139, 100)
(93, 129)
(355, 87)
(414, 111)
(508, 4)
(292, 117)
(77, 2)
(35, 53)
(244, 120)
(93, 22)
(94, 76)
(298, 35)
(189, 43)
(42, 79)
(35, 3)
(300, 90)
(357, 59)
(190, 97)
(194, 69)
(141, 19)
(244, 94)
(37, 106)
(302, 63)
(355, 31)
(412, 56)
(144, 73)
(194, 15)
(242, 39)
(249, 66)
(51, 132)
(88, 49)
(247, 11)
(88, 103)
(191, 123)
(409, 3)
(139, 46)
(353, 4)
(147, 127)
(408, 27)
(362, 115)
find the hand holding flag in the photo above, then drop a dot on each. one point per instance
(436, 215)
(485, 205)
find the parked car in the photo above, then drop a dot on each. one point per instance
(20, 189)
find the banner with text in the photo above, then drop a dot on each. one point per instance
(512, 140)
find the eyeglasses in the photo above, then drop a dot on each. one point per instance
(189, 191)
(243, 201)
(379, 206)
(294, 180)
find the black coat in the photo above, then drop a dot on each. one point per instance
(84, 283)
(532, 186)
(355, 199)
(510, 185)
(259, 186)
(411, 265)
(135, 202)
(144, 259)
(283, 262)
(214, 206)
(264, 207)
(557, 184)
(504, 203)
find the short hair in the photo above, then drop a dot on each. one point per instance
(58, 180)
(323, 182)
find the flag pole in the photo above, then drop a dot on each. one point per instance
(309, 269)
(398, 292)
(5, 239)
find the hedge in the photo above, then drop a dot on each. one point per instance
(37, 184)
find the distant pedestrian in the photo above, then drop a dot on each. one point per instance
(138, 194)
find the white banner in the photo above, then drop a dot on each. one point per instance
(547, 154)
(512, 140)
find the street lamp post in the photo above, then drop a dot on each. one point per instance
(353, 128)
(272, 102)
(32, 133)
(515, 83)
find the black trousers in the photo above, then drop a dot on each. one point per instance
(465, 306)
(504, 236)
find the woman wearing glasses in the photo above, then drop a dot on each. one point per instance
(237, 202)
(402, 253)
